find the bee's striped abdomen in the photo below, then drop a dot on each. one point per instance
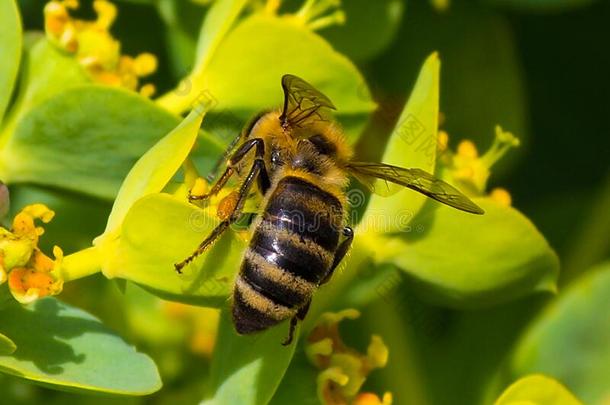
(290, 253)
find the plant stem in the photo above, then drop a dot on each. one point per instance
(81, 264)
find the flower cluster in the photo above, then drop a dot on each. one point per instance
(472, 171)
(343, 369)
(95, 48)
(314, 14)
(30, 273)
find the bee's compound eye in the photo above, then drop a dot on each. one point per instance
(323, 145)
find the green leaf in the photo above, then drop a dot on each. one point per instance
(148, 249)
(367, 30)
(247, 369)
(465, 260)
(7, 346)
(240, 78)
(570, 339)
(85, 139)
(63, 346)
(245, 57)
(298, 382)
(217, 22)
(10, 50)
(46, 72)
(156, 167)
(412, 144)
(537, 390)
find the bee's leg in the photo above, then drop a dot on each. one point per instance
(293, 323)
(348, 234)
(225, 157)
(258, 170)
(237, 156)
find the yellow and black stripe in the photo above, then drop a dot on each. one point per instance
(291, 252)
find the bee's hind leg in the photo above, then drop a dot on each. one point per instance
(257, 171)
(293, 323)
(342, 250)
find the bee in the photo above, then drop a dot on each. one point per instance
(300, 163)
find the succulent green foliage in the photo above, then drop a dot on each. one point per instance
(61, 143)
(412, 144)
(248, 369)
(298, 382)
(148, 249)
(10, 50)
(248, 47)
(539, 390)
(156, 167)
(254, 86)
(218, 21)
(46, 71)
(569, 340)
(63, 346)
(131, 240)
(260, 40)
(183, 21)
(464, 260)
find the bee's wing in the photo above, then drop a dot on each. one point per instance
(302, 102)
(415, 179)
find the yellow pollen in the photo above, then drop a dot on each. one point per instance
(502, 196)
(148, 90)
(145, 64)
(106, 13)
(443, 141)
(467, 149)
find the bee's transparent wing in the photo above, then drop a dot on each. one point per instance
(302, 102)
(416, 179)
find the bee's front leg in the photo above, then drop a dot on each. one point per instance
(257, 171)
(239, 154)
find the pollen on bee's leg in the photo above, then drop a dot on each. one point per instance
(227, 205)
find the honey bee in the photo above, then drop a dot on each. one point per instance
(301, 165)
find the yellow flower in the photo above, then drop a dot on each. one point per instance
(368, 398)
(471, 170)
(95, 48)
(314, 14)
(343, 369)
(30, 273)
